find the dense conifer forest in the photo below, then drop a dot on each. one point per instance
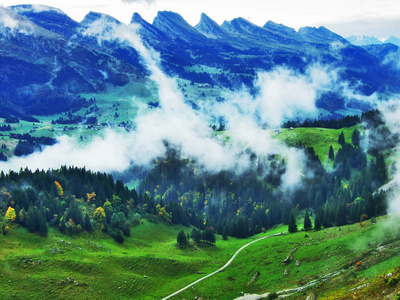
(178, 191)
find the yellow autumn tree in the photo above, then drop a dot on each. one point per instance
(60, 191)
(91, 196)
(99, 214)
(10, 214)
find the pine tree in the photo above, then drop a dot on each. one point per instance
(195, 235)
(209, 236)
(341, 139)
(355, 138)
(307, 222)
(181, 238)
(42, 227)
(87, 224)
(340, 217)
(318, 221)
(118, 237)
(292, 224)
(331, 154)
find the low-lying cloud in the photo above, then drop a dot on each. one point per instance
(282, 93)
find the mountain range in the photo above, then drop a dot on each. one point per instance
(363, 40)
(49, 64)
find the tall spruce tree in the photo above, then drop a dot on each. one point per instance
(355, 138)
(292, 223)
(318, 220)
(331, 154)
(181, 238)
(341, 139)
(307, 222)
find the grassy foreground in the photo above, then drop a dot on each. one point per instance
(150, 266)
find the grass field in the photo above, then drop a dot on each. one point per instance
(318, 138)
(149, 265)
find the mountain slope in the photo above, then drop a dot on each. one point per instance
(49, 18)
(44, 72)
(209, 28)
(73, 58)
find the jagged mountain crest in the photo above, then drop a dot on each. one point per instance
(64, 64)
(147, 31)
(210, 28)
(174, 25)
(320, 35)
(50, 18)
(363, 40)
(281, 29)
(14, 24)
(92, 17)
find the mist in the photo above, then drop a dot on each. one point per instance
(391, 113)
(282, 94)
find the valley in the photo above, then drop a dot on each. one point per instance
(151, 268)
(236, 160)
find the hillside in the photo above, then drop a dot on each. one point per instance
(149, 265)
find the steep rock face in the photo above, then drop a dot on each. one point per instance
(256, 36)
(320, 35)
(147, 31)
(282, 30)
(49, 18)
(92, 17)
(44, 72)
(47, 59)
(209, 28)
(174, 26)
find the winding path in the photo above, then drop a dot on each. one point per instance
(222, 268)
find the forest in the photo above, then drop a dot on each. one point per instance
(176, 190)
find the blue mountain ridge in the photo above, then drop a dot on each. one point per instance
(238, 48)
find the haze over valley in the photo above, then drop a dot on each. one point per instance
(162, 148)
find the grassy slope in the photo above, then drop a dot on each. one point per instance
(150, 266)
(318, 138)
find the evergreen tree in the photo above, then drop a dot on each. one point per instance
(331, 154)
(42, 227)
(318, 221)
(181, 238)
(87, 224)
(355, 138)
(340, 217)
(196, 235)
(307, 222)
(341, 139)
(292, 224)
(209, 236)
(118, 237)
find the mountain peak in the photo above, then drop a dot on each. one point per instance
(280, 28)
(147, 30)
(35, 8)
(394, 40)
(320, 35)
(363, 40)
(50, 18)
(11, 22)
(175, 26)
(209, 27)
(136, 18)
(94, 16)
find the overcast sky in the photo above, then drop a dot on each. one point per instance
(380, 18)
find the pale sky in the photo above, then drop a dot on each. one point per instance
(380, 18)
